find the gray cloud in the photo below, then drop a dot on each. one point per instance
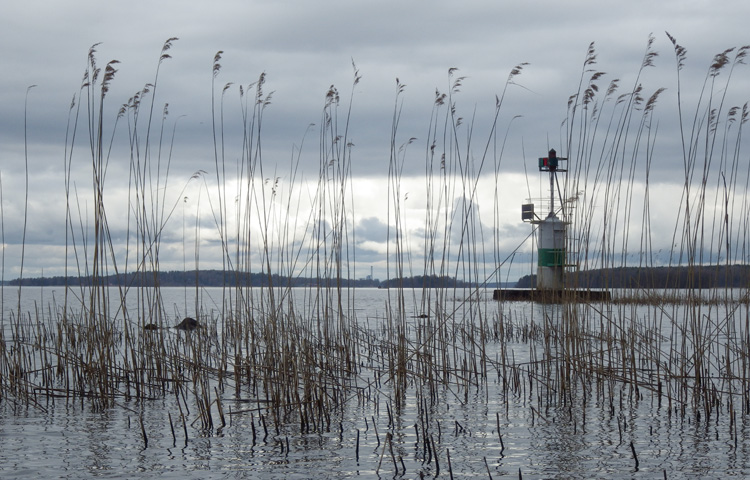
(304, 48)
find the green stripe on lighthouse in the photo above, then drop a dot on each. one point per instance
(551, 257)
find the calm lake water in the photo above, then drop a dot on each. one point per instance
(479, 432)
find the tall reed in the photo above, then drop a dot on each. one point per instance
(300, 356)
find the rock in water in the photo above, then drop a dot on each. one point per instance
(188, 324)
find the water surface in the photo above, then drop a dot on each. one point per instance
(584, 434)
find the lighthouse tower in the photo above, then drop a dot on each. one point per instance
(552, 250)
(552, 232)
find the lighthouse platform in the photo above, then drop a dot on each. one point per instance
(568, 295)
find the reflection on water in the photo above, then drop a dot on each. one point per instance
(480, 431)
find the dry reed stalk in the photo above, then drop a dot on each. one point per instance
(303, 355)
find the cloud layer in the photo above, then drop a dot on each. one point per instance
(303, 50)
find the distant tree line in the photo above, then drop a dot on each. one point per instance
(700, 276)
(220, 278)
(422, 281)
(202, 278)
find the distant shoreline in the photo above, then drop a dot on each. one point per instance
(704, 276)
(219, 278)
(695, 277)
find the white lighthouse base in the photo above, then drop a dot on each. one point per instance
(549, 278)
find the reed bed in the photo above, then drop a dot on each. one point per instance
(295, 358)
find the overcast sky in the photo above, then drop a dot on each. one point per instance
(303, 48)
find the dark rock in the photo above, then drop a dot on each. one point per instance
(188, 324)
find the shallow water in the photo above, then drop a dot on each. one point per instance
(580, 436)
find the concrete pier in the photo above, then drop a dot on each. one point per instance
(568, 295)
